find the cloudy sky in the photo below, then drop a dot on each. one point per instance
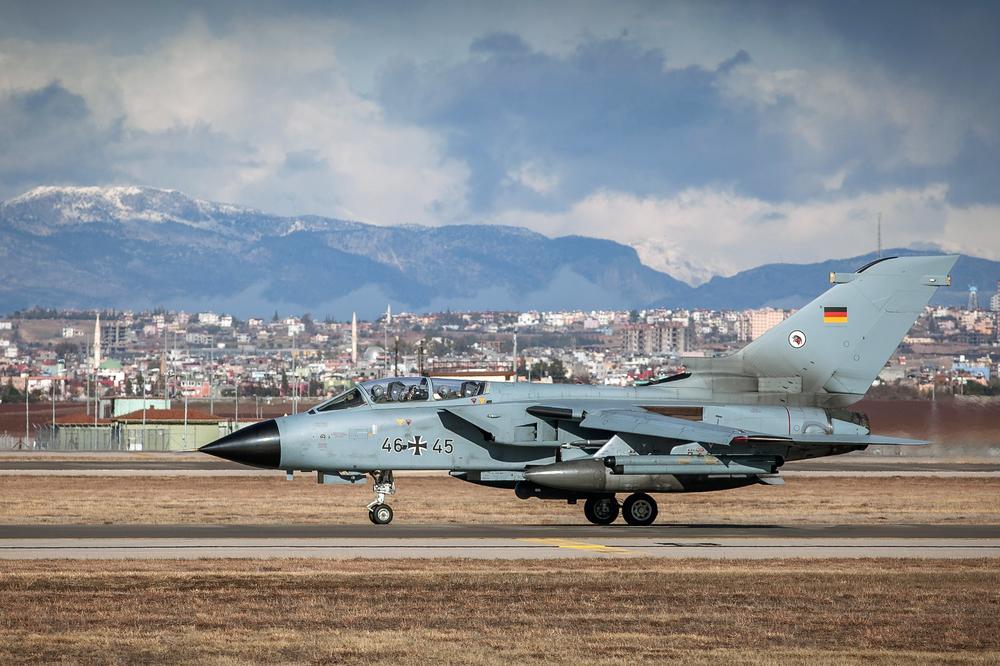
(711, 136)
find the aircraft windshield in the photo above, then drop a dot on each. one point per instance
(396, 389)
(346, 400)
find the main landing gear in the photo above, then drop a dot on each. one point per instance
(638, 509)
(379, 512)
(601, 510)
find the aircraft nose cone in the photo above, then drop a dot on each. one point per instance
(258, 445)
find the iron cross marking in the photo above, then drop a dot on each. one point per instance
(416, 443)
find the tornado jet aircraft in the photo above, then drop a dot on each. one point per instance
(725, 422)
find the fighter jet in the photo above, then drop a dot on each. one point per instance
(725, 422)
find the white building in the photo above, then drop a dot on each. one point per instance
(527, 319)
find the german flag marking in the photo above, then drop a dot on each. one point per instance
(834, 315)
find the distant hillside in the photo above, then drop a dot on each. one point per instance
(137, 247)
(131, 247)
(793, 285)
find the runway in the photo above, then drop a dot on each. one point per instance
(497, 541)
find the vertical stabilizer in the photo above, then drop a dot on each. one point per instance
(839, 342)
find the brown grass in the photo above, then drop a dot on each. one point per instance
(464, 611)
(271, 499)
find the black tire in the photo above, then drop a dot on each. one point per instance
(639, 509)
(601, 510)
(380, 514)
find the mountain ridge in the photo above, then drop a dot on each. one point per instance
(133, 247)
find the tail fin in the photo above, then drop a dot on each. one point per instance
(841, 341)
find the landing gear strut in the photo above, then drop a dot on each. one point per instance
(379, 512)
(639, 509)
(601, 510)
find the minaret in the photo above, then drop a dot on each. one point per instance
(385, 341)
(514, 366)
(354, 339)
(97, 343)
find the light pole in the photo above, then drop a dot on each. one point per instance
(211, 377)
(295, 379)
(236, 413)
(142, 443)
(27, 411)
(86, 394)
(52, 399)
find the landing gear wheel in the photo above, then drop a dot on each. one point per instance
(601, 510)
(380, 514)
(639, 509)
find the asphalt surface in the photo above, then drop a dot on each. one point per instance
(401, 530)
(496, 541)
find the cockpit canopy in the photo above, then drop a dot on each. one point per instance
(403, 389)
(396, 389)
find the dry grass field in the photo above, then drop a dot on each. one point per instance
(271, 499)
(489, 612)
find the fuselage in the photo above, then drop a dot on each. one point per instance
(494, 431)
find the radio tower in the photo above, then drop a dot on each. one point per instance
(973, 298)
(879, 232)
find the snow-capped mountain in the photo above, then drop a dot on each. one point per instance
(135, 247)
(47, 210)
(666, 257)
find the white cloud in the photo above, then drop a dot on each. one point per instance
(831, 107)
(534, 176)
(266, 112)
(705, 231)
(267, 89)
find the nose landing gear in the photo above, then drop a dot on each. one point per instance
(379, 512)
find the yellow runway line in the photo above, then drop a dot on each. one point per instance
(580, 545)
